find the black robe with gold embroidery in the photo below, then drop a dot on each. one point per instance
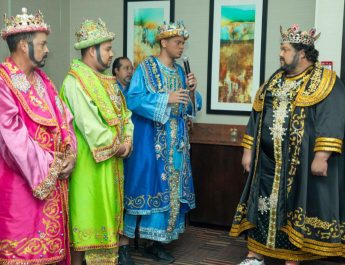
(285, 211)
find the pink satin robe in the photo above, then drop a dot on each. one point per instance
(33, 217)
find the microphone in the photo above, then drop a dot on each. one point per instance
(187, 70)
(186, 66)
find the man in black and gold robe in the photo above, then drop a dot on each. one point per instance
(293, 206)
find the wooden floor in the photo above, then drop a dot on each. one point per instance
(204, 246)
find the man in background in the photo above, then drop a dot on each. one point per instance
(123, 71)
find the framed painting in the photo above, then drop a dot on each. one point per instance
(141, 19)
(236, 59)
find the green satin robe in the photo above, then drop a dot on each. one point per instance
(96, 184)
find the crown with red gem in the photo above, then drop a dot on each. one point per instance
(24, 23)
(172, 30)
(295, 35)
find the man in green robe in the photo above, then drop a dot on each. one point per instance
(104, 134)
(293, 206)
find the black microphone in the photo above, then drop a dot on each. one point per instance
(186, 66)
(187, 70)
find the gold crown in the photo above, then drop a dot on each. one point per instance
(295, 35)
(172, 30)
(24, 23)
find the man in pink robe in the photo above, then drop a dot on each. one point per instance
(37, 150)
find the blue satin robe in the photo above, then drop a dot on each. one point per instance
(158, 179)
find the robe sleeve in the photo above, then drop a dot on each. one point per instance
(198, 105)
(153, 106)
(248, 137)
(101, 139)
(128, 126)
(330, 120)
(69, 117)
(21, 152)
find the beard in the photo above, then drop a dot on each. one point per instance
(39, 63)
(42, 62)
(289, 68)
(99, 59)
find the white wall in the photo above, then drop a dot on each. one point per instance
(110, 11)
(56, 14)
(329, 21)
(3, 47)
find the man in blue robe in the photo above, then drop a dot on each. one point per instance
(158, 180)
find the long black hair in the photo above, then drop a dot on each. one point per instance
(311, 53)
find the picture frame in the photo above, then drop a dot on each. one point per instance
(141, 19)
(236, 59)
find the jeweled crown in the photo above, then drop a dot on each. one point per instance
(22, 23)
(295, 35)
(172, 30)
(92, 32)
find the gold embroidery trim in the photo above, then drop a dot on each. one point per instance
(247, 146)
(112, 121)
(42, 190)
(328, 149)
(258, 104)
(296, 136)
(325, 230)
(331, 140)
(325, 144)
(248, 137)
(240, 221)
(247, 142)
(37, 118)
(328, 144)
(70, 152)
(282, 108)
(321, 85)
(313, 246)
(103, 153)
(283, 254)
(236, 230)
(43, 138)
(102, 256)
(128, 140)
(47, 241)
(87, 234)
(98, 246)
